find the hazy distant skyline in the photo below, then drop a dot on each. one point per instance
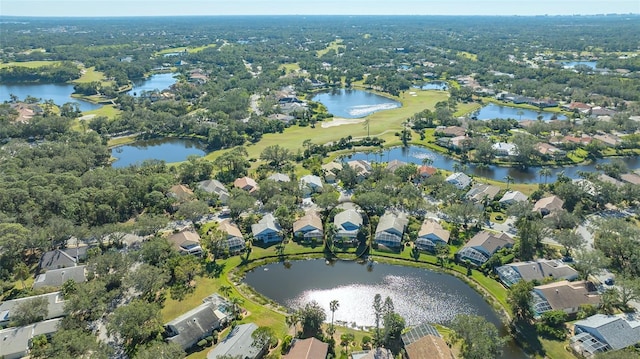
(101, 8)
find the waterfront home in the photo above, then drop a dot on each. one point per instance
(511, 197)
(505, 149)
(608, 139)
(62, 258)
(331, 170)
(376, 353)
(483, 245)
(450, 131)
(430, 235)
(279, 177)
(600, 333)
(186, 242)
(540, 270)
(246, 184)
(235, 240)
(482, 192)
(238, 344)
(424, 342)
(308, 227)
(310, 184)
(548, 205)
(348, 223)
(181, 193)
(267, 229)
(16, 342)
(390, 229)
(55, 307)
(310, 348)
(216, 187)
(564, 295)
(608, 179)
(579, 107)
(393, 165)
(198, 323)
(363, 169)
(459, 179)
(57, 277)
(425, 172)
(549, 150)
(630, 178)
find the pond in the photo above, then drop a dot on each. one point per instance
(493, 110)
(347, 103)
(58, 93)
(419, 295)
(416, 154)
(572, 64)
(157, 82)
(166, 149)
(434, 85)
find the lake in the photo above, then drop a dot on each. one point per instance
(157, 82)
(572, 64)
(434, 85)
(419, 295)
(493, 110)
(59, 93)
(166, 149)
(416, 154)
(347, 103)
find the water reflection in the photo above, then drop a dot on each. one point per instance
(349, 103)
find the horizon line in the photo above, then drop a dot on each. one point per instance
(316, 15)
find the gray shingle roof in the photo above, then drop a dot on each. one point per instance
(57, 277)
(55, 308)
(14, 342)
(267, 222)
(62, 258)
(619, 331)
(197, 323)
(237, 343)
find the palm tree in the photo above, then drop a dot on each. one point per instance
(293, 319)
(225, 290)
(545, 172)
(520, 113)
(333, 306)
(236, 302)
(509, 180)
(366, 124)
(427, 161)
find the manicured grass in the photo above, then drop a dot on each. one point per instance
(333, 45)
(288, 68)
(121, 141)
(90, 75)
(468, 55)
(107, 110)
(556, 349)
(464, 109)
(30, 64)
(183, 48)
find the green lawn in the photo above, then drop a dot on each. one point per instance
(30, 64)
(90, 75)
(106, 110)
(183, 48)
(290, 67)
(333, 45)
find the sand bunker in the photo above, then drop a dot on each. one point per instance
(337, 121)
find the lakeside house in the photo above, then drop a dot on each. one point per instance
(390, 229)
(564, 295)
(425, 172)
(539, 270)
(238, 343)
(200, 322)
(246, 184)
(310, 184)
(631, 178)
(547, 149)
(267, 229)
(483, 245)
(16, 342)
(393, 165)
(55, 306)
(331, 170)
(362, 168)
(548, 205)
(601, 333)
(424, 342)
(310, 348)
(430, 235)
(459, 179)
(481, 192)
(505, 149)
(348, 223)
(186, 242)
(511, 197)
(309, 227)
(450, 131)
(57, 277)
(216, 187)
(235, 240)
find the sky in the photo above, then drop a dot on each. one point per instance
(101, 8)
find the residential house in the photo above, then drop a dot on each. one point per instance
(55, 307)
(425, 172)
(363, 168)
(430, 235)
(279, 177)
(309, 227)
(282, 117)
(600, 333)
(549, 150)
(608, 139)
(579, 107)
(631, 178)
(377, 353)
(424, 342)
(62, 258)
(548, 205)
(310, 184)
(197, 324)
(459, 142)
(598, 111)
(572, 140)
(16, 342)
(267, 229)
(511, 197)
(539, 270)
(564, 295)
(505, 149)
(235, 240)
(450, 131)
(348, 223)
(459, 179)
(393, 165)
(586, 186)
(57, 277)
(482, 192)
(310, 348)
(331, 170)
(186, 242)
(246, 183)
(608, 179)
(483, 245)
(215, 186)
(238, 343)
(390, 229)
(181, 193)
